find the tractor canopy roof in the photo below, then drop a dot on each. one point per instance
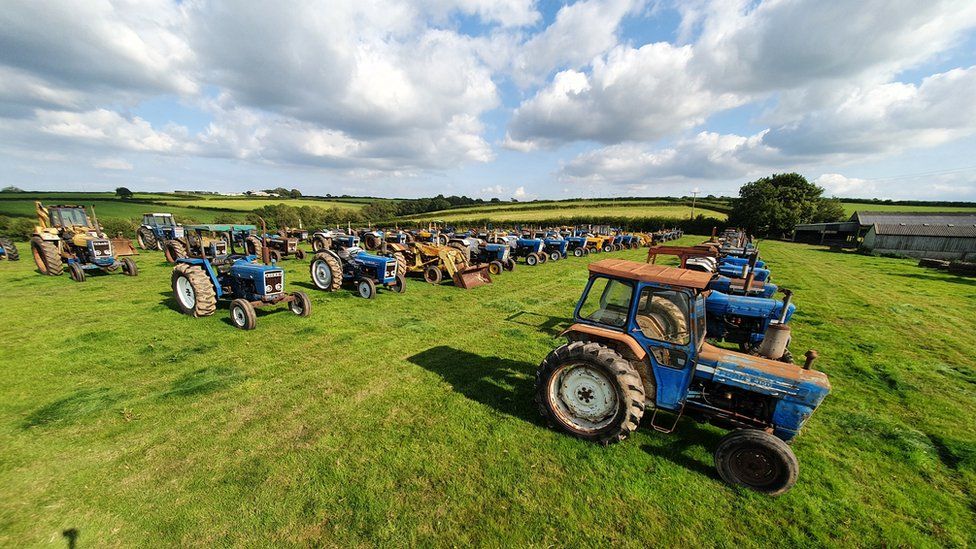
(221, 227)
(646, 272)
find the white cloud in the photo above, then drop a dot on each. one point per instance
(630, 94)
(495, 190)
(580, 32)
(112, 164)
(109, 128)
(520, 193)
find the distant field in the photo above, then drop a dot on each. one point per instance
(105, 208)
(851, 207)
(535, 211)
(248, 204)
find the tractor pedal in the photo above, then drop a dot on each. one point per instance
(666, 430)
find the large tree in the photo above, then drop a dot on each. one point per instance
(774, 205)
(123, 192)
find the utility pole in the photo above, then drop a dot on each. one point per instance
(694, 197)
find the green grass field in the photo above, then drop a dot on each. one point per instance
(408, 419)
(248, 204)
(535, 211)
(851, 207)
(105, 208)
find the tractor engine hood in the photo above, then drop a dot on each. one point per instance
(260, 275)
(720, 304)
(725, 284)
(371, 260)
(797, 391)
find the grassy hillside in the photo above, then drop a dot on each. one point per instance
(111, 207)
(408, 419)
(851, 207)
(249, 204)
(534, 211)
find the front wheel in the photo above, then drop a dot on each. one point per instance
(300, 254)
(242, 314)
(495, 267)
(76, 272)
(509, 265)
(543, 257)
(756, 460)
(590, 391)
(555, 256)
(532, 259)
(433, 274)
(578, 252)
(301, 305)
(129, 267)
(366, 288)
(400, 285)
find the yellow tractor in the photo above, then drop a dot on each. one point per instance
(66, 235)
(434, 261)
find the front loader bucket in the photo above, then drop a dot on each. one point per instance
(123, 246)
(472, 277)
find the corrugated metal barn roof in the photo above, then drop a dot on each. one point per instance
(867, 218)
(917, 229)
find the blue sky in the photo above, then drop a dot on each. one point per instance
(503, 98)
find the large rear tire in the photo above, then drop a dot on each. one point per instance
(756, 460)
(252, 245)
(174, 250)
(590, 391)
(326, 272)
(46, 257)
(320, 243)
(10, 249)
(401, 263)
(193, 290)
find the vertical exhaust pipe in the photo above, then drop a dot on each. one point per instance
(787, 298)
(750, 276)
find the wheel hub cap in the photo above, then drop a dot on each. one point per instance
(185, 292)
(587, 394)
(323, 274)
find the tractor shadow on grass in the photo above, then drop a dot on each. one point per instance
(502, 384)
(550, 325)
(675, 447)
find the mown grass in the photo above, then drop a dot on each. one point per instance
(408, 419)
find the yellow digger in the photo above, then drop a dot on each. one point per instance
(65, 235)
(434, 261)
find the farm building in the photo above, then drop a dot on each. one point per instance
(936, 241)
(839, 233)
(853, 231)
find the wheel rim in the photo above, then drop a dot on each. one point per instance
(185, 292)
(583, 397)
(322, 274)
(239, 317)
(364, 289)
(297, 306)
(754, 466)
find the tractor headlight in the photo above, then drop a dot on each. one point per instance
(268, 289)
(278, 287)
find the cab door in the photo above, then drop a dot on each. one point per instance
(663, 324)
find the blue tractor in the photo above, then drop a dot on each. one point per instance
(638, 344)
(199, 282)
(8, 250)
(347, 262)
(758, 325)
(530, 249)
(576, 245)
(157, 229)
(211, 240)
(477, 251)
